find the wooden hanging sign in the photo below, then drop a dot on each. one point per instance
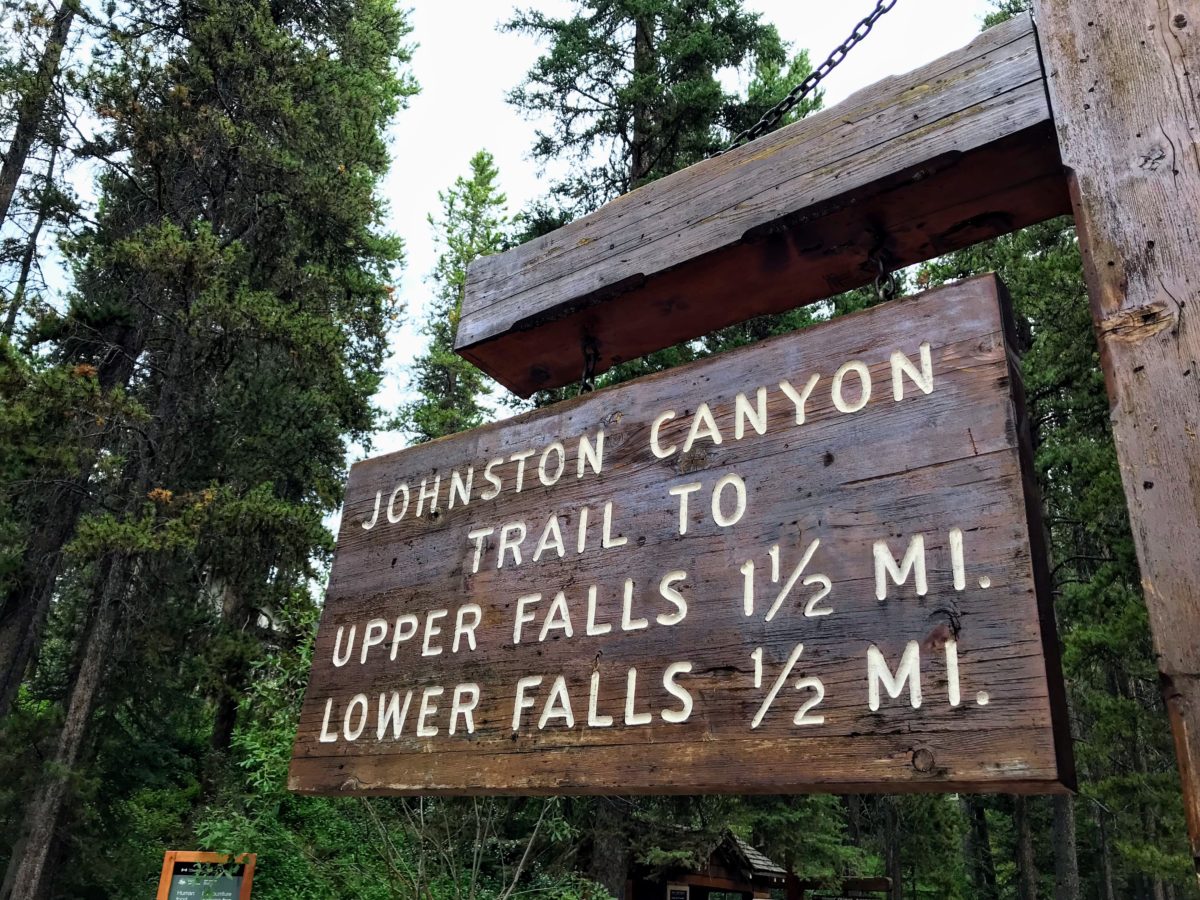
(810, 564)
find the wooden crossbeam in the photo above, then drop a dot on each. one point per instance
(955, 152)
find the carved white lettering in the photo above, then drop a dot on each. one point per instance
(922, 378)
(800, 399)
(628, 623)
(523, 616)
(657, 448)
(558, 618)
(340, 659)
(607, 541)
(327, 736)
(631, 717)
(682, 491)
(558, 705)
(432, 631)
(519, 459)
(367, 526)
(511, 536)
(392, 714)
(428, 710)
(551, 539)
(460, 488)
(459, 706)
(914, 562)
(463, 627)
(670, 593)
(678, 691)
(493, 480)
(739, 509)
(392, 515)
(373, 635)
(756, 415)
(908, 671)
(430, 495)
(523, 702)
(590, 455)
(404, 629)
(595, 720)
(352, 732)
(703, 425)
(550, 477)
(593, 627)
(864, 378)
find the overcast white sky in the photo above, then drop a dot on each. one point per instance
(465, 66)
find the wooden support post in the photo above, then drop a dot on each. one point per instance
(1125, 91)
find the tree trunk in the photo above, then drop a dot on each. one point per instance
(854, 817)
(18, 300)
(25, 605)
(1026, 866)
(892, 861)
(1106, 869)
(233, 673)
(1066, 862)
(28, 879)
(643, 64)
(27, 868)
(32, 107)
(977, 848)
(610, 847)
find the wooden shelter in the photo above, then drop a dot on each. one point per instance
(734, 871)
(737, 871)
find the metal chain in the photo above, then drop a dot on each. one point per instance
(772, 117)
(591, 356)
(886, 285)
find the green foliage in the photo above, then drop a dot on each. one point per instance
(633, 88)
(1005, 10)
(473, 224)
(808, 836)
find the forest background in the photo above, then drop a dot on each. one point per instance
(177, 409)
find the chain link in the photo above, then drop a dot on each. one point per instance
(773, 116)
(591, 356)
(886, 285)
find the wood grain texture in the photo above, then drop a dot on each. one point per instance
(924, 464)
(1126, 98)
(950, 154)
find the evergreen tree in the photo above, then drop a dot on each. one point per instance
(30, 82)
(235, 275)
(637, 85)
(473, 224)
(633, 90)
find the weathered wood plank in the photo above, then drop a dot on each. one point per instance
(1122, 79)
(945, 456)
(952, 153)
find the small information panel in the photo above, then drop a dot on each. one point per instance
(196, 875)
(811, 564)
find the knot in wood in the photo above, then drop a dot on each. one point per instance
(922, 760)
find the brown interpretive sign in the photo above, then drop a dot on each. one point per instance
(199, 875)
(812, 564)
